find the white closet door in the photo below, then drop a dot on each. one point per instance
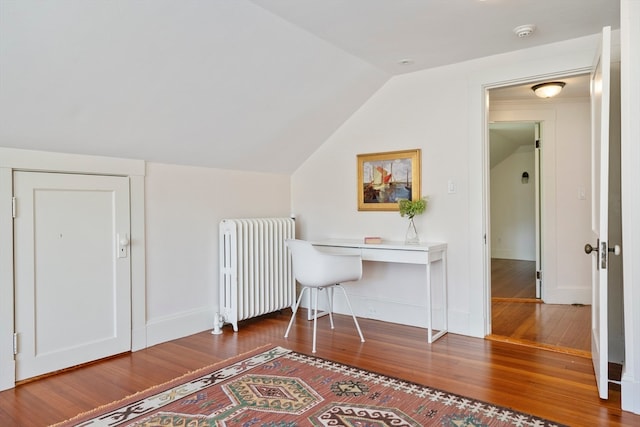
(72, 270)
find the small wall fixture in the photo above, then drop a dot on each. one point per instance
(525, 177)
(548, 90)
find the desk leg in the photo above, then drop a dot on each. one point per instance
(431, 337)
(445, 288)
(429, 306)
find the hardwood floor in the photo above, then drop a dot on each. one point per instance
(559, 327)
(513, 278)
(517, 317)
(552, 385)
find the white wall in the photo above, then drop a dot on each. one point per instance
(440, 111)
(184, 206)
(513, 227)
(402, 115)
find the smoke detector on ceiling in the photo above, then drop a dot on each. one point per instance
(523, 31)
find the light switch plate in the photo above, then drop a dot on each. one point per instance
(451, 187)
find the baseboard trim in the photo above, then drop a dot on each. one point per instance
(179, 325)
(630, 391)
(527, 300)
(377, 309)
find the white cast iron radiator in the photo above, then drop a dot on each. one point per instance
(256, 275)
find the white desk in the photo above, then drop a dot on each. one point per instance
(398, 252)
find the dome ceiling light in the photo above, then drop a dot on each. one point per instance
(548, 90)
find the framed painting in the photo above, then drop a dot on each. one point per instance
(385, 178)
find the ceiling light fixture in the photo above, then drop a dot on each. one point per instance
(548, 90)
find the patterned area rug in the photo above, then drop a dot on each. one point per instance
(282, 388)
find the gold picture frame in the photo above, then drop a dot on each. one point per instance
(384, 178)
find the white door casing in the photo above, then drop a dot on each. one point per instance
(538, 211)
(600, 82)
(72, 270)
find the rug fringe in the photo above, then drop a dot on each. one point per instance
(133, 396)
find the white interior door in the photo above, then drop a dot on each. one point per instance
(72, 270)
(600, 83)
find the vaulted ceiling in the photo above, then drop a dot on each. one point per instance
(238, 84)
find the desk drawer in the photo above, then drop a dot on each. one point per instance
(338, 250)
(391, 255)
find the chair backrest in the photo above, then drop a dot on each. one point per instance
(312, 267)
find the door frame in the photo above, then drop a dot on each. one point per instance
(38, 161)
(547, 119)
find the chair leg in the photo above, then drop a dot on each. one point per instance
(315, 319)
(295, 310)
(355, 320)
(329, 290)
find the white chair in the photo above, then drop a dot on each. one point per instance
(318, 270)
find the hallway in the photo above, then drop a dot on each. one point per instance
(516, 316)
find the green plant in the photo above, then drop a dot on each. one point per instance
(412, 208)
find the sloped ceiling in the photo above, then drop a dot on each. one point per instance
(507, 138)
(237, 84)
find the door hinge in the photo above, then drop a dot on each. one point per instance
(537, 143)
(13, 207)
(15, 343)
(538, 275)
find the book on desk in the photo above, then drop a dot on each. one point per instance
(373, 240)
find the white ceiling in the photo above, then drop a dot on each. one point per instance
(438, 32)
(240, 84)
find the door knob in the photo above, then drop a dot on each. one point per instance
(588, 248)
(615, 249)
(123, 243)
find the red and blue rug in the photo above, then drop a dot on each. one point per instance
(282, 388)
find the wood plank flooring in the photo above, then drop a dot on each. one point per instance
(513, 278)
(552, 385)
(518, 318)
(561, 327)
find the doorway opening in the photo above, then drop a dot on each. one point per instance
(514, 207)
(538, 212)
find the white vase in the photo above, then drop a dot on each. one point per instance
(411, 237)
